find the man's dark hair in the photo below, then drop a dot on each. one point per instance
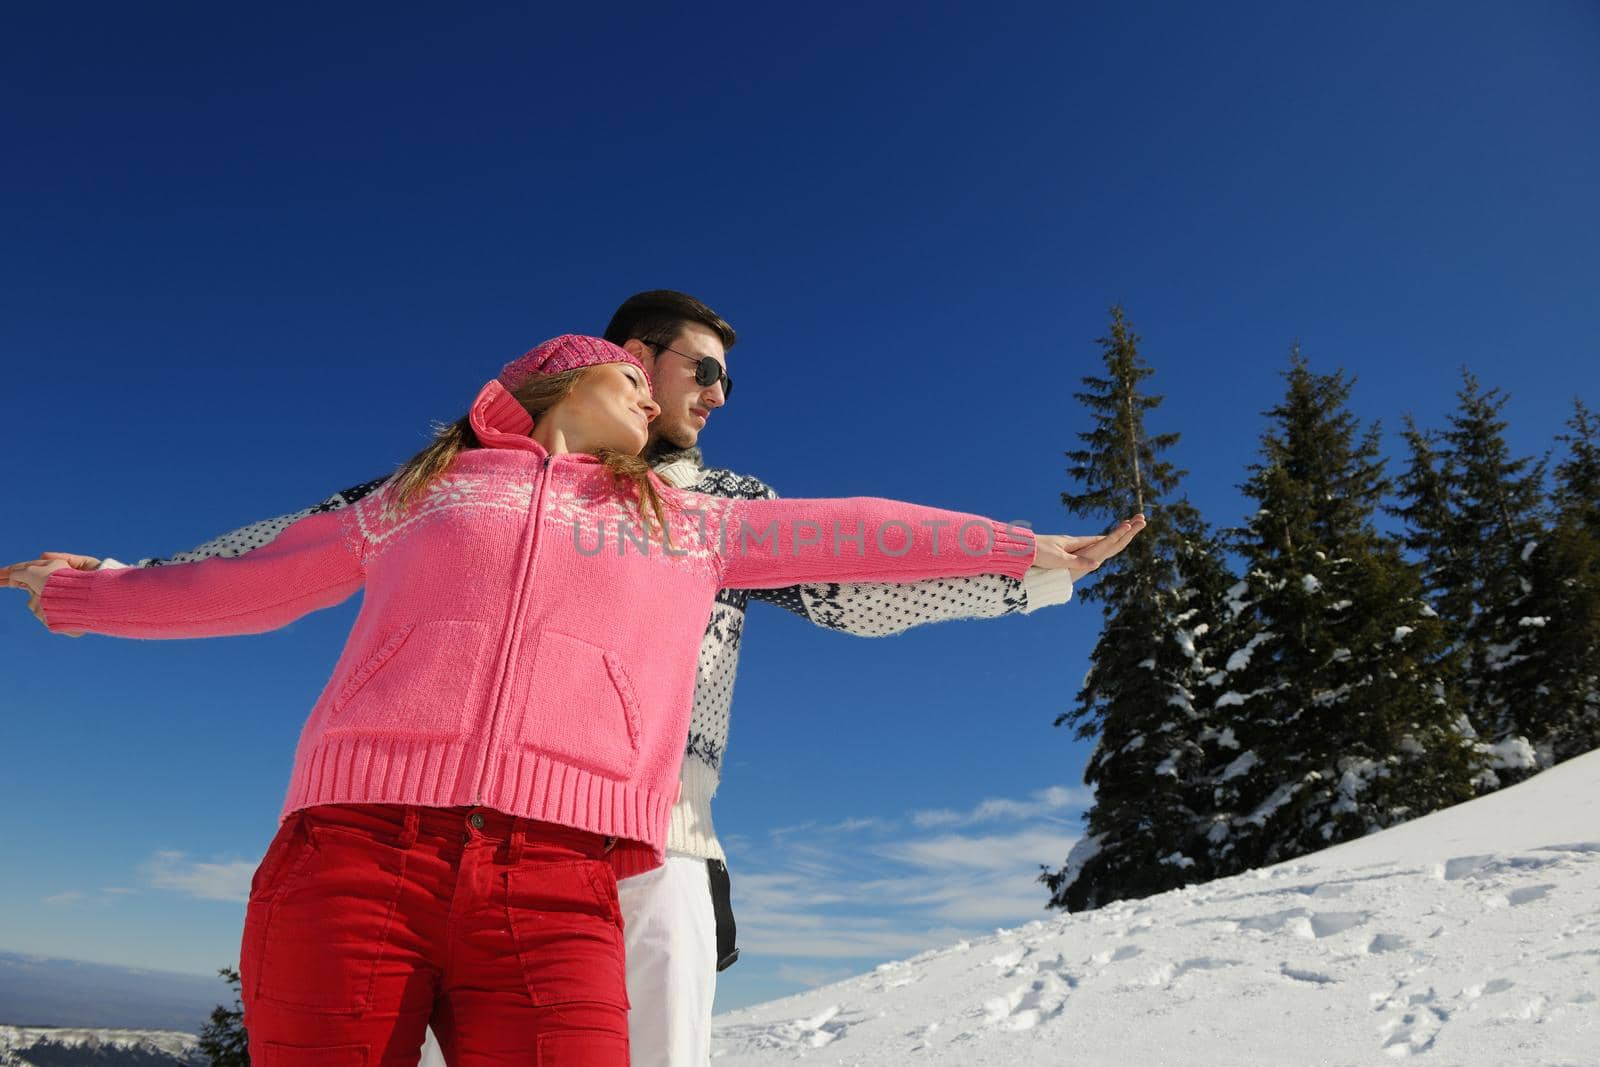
(657, 317)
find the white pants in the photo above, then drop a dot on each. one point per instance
(671, 939)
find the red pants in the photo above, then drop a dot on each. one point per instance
(368, 922)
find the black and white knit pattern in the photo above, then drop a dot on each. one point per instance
(248, 538)
(863, 609)
(877, 610)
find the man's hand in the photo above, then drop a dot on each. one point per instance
(1082, 555)
(31, 575)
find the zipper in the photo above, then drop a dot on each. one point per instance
(519, 609)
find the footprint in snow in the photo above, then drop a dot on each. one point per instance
(1311, 925)
(816, 1031)
(1165, 975)
(923, 1036)
(1413, 1033)
(1415, 1022)
(1497, 985)
(1298, 975)
(1517, 897)
(894, 976)
(1578, 847)
(1463, 867)
(1059, 965)
(1382, 943)
(1126, 952)
(1529, 894)
(1010, 962)
(1487, 867)
(1025, 1007)
(1530, 1011)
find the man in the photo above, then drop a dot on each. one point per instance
(679, 926)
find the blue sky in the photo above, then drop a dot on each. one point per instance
(251, 254)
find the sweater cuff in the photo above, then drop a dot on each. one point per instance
(1013, 548)
(1046, 588)
(67, 600)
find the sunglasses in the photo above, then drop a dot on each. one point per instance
(707, 371)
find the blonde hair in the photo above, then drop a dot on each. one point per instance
(537, 396)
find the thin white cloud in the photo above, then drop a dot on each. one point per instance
(787, 890)
(100, 898)
(814, 976)
(1003, 900)
(837, 944)
(856, 826)
(843, 826)
(228, 881)
(1055, 799)
(903, 885)
(993, 853)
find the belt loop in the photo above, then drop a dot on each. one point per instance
(408, 833)
(519, 837)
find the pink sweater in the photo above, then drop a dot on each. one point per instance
(517, 648)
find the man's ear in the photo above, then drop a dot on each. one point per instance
(645, 354)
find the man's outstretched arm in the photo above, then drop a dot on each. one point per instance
(878, 609)
(238, 542)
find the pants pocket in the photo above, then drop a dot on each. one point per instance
(319, 938)
(588, 1048)
(567, 928)
(289, 851)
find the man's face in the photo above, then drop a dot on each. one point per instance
(685, 406)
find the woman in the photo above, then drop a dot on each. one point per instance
(501, 736)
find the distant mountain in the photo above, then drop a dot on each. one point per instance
(37, 992)
(29, 1047)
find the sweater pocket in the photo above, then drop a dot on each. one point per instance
(578, 705)
(423, 682)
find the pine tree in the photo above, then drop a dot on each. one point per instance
(1337, 684)
(223, 1039)
(1158, 601)
(1554, 685)
(1496, 502)
(1472, 519)
(1576, 496)
(1432, 529)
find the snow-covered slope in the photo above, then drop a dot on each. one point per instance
(22, 1046)
(1469, 937)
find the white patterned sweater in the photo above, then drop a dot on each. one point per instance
(866, 610)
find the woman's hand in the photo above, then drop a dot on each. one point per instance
(1082, 555)
(32, 574)
(81, 563)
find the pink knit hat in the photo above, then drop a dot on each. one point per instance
(567, 352)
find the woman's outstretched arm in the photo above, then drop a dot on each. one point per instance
(233, 543)
(767, 543)
(312, 562)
